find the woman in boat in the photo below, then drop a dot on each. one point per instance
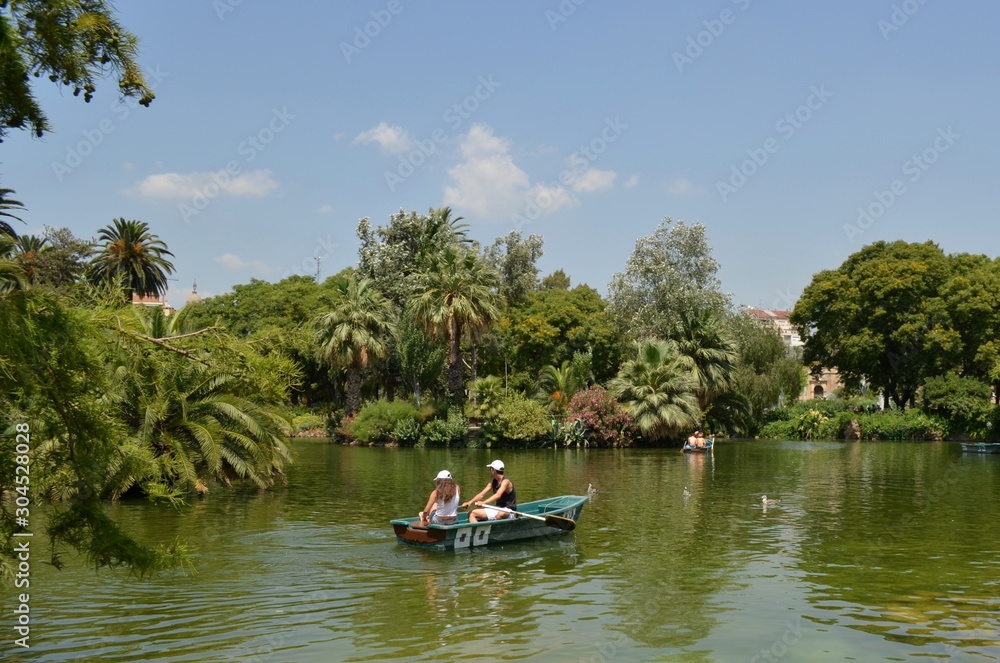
(504, 496)
(442, 505)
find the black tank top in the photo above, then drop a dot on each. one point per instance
(509, 499)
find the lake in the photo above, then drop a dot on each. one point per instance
(877, 551)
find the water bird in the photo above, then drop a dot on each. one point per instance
(687, 493)
(767, 502)
(590, 489)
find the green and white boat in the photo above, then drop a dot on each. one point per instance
(543, 518)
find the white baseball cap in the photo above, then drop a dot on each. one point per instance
(443, 474)
(496, 465)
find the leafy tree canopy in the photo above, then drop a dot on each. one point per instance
(73, 43)
(669, 272)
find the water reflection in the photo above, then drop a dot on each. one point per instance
(877, 551)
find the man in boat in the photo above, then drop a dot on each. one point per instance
(504, 496)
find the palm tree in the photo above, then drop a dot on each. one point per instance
(12, 275)
(5, 205)
(659, 390)
(134, 255)
(26, 250)
(197, 425)
(457, 299)
(558, 385)
(713, 353)
(355, 332)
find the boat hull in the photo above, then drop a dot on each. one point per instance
(463, 534)
(699, 450)
(981, 447)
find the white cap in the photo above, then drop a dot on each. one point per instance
(496, 465)
(443, 474)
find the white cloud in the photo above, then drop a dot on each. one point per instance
(392, 139)
(631, 181)
(325, 209)
(680, 186)
(594, 180)
(181, 186)
(233, 261)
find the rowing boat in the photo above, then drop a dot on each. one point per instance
(981, 447)
(698, 450)
(464, 534)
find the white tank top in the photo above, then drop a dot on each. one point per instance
(448, 509)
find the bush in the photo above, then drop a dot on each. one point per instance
(406, 432)
(964, 402)
(376, 421)
(304, 422)
(449, 432)
(882, 425)
(519, 422)
(597, 418)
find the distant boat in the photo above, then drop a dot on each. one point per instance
(699, 450)
(549, 517)
(981, 447)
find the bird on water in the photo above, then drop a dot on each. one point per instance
(687, 493)
(767, 502)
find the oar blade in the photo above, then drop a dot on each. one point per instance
(560, 523)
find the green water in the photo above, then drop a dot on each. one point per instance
(876, 552)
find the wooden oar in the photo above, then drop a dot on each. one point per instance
(558, 522)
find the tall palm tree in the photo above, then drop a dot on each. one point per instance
(457, 299)
(713, 353)
(355, 332)
(659, 390)
(131, 253)
(7, 204)
(12, 274)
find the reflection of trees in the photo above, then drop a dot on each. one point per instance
(880, 517)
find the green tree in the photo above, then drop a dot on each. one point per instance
(64, 261)
(134, 255)
(355, 332)
(557, 280)
(74, 44)
(877, 318)
(7, 204)
(457, 299)
(704, 340)
(514, 259)
(27, 250)
(658, 389)
(669, 273)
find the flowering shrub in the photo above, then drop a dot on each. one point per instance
(604, 420)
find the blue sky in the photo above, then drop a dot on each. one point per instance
(277, 127)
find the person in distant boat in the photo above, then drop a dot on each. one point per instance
(504, 496)
(699, 439)
(442, 505)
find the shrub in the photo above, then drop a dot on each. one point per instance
(965, 402)
(519, 422)
(304, 422)
(449, 432)
(599, 419)
(376, 421)
(406, 432)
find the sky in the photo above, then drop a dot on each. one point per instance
(795, 132)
